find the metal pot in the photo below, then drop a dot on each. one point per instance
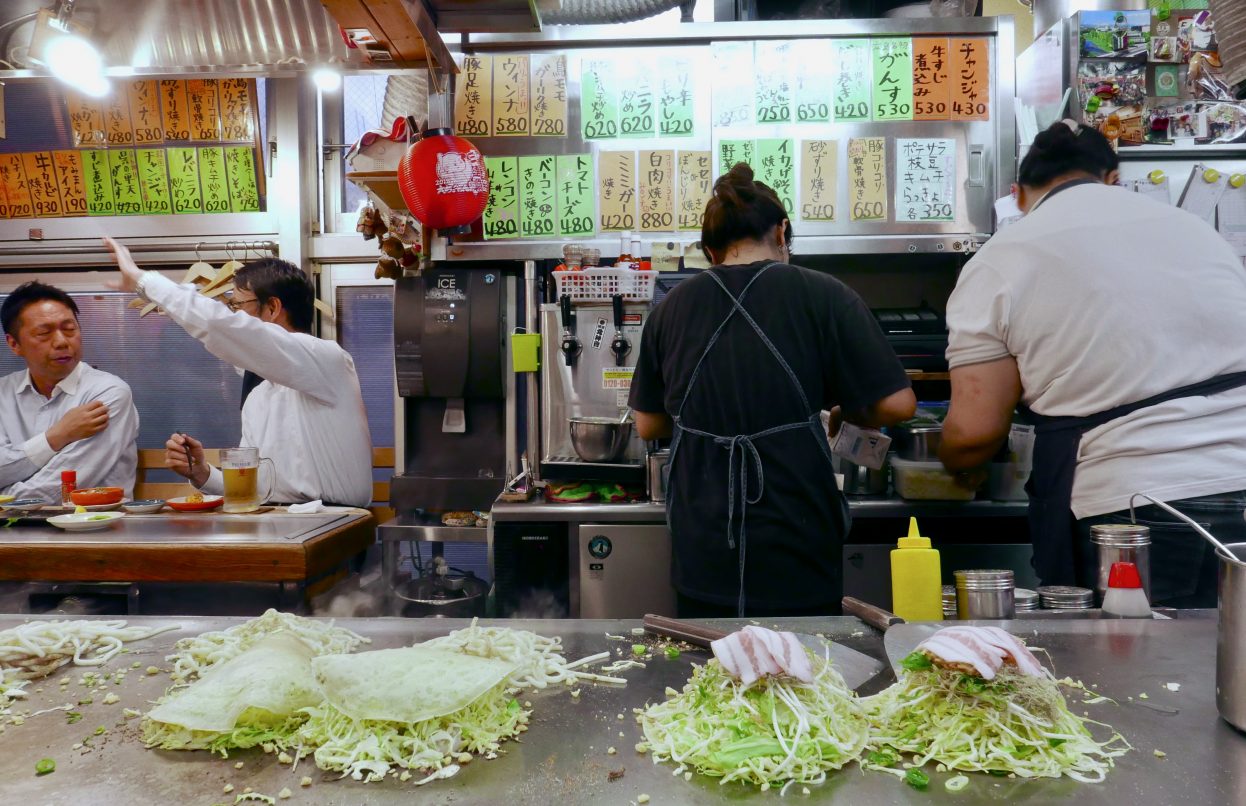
(599, 439)
(861, 480)
(1231, 638)
(916, 442)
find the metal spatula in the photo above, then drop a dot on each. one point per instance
(856, 667)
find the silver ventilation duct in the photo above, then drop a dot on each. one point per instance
(598, 12)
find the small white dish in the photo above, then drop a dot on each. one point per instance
(86, 521)
(102, 507)
(144, 507)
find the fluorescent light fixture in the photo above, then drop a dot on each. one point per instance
(76, 62)
(327, 79)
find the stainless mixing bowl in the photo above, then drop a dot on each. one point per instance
(599, 439)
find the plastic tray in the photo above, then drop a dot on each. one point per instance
(926, 481)
(600, 285)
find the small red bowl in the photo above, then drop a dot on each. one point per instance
(208, 502)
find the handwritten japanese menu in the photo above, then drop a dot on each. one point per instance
(732, 151)
(695, 182)
(72, 181)
(932, 89)
(657, 191)
(501, 217)
(776, 166)
(616, 190)
(86, 117)
(511, 103)
(40, 172)
(893, 79)
(675, 87)
(238, 113)
(549, 96)
(244, 196)
(867, 178)
(176, 110)
(732, 96)
(773, 85)
(637, 109)
(599, 100)
(118, 130)
(819, 163)
(98, 182)
(537, 196)
(205, 109)
(971, 79)
(153, 181)
(13, 184)
(123, 171)
(473, 97)
(925, 180)
(212, 180)
(145, 115)
(814, 80)
(184, 187)
(851, 99)
(575, 194)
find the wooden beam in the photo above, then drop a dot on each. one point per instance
(406, 42)
(438, 55)
(355, 14)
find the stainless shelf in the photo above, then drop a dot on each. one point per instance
(888, 507)
(429, 530)
(649, 512)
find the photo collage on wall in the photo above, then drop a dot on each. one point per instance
(1155, 76)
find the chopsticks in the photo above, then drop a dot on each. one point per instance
(190, 460)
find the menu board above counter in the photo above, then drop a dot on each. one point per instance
(153, 147)
(871, 131)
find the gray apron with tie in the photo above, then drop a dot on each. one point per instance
(746, 481)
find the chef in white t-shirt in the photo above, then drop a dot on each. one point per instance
(1119, 323)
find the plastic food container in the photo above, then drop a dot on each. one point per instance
(926, 481)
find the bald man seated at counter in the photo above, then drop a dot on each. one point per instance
(59, 413)
(306, 415)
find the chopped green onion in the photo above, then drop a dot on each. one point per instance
(917, 779)
(73, 716)
(638, 649)
(44, 766)
(881, 759)
(672, 652)
(101, 730)
(916, 662)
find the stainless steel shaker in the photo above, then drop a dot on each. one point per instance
(985, 594)
(1121, 543)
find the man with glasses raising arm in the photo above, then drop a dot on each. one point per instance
(307, 415)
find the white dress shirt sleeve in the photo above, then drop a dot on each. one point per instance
(109, 458)
(215, 484)
(15, 464)
(39, 450)
(295, 360)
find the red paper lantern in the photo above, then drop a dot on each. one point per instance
(443, 180)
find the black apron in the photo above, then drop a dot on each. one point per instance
(746, 475)
(1053, 529)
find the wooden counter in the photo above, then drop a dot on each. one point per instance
(203, 547)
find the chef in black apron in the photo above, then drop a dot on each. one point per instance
(1078, 161)
(735, 366)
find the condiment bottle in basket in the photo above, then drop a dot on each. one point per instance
(635, 253)
(625, 255)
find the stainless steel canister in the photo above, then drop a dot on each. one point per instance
(985, 594)
(949, 601)
(1231, 640)
(1025, 599)
(657, 469)
(1064, 597)
(1121, 543)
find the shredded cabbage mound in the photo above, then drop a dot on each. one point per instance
(256, 727)
(776, 732)
(367, 749)
(1013, 724)
(194, 656)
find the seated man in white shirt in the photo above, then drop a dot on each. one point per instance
(307, 416)
(59, 413)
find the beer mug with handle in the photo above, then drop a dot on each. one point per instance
(241, 468)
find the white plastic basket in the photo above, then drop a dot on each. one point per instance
(600, 285)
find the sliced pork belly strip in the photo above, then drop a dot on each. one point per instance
(984, 649)
(755, 652)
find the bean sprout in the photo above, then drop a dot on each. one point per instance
(193, 656)
(38, 648)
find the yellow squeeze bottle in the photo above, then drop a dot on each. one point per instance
(916, 582)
